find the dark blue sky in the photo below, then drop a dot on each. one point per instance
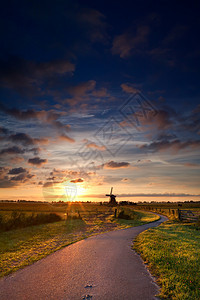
(67, 67)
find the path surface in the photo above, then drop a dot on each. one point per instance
(100, 267)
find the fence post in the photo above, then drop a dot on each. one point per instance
(179, 214)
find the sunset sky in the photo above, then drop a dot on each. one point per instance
(97, 94)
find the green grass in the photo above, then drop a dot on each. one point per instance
(172, 252)
(138, 218)
(23, 246)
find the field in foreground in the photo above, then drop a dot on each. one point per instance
(172, 253)
(23, 246)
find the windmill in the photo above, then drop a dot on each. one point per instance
(112, 200)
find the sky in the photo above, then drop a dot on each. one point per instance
(100, 94)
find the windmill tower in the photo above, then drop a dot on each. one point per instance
(112, 200)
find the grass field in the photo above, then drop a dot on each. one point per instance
(172, 253)
(138, 218)
(21, 247)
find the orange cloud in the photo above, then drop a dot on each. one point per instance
(129, 89)
(66, 138)
(126, 43)
(77, 180)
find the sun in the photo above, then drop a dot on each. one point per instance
(67, 190)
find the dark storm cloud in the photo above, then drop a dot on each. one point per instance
(16, 171)
(37, 161)
(8, 181)
(12, 150)
(23, 177)
(18, 150)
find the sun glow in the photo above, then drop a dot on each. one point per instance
(66, 190)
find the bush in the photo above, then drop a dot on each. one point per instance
(122, 215)
(21, 220)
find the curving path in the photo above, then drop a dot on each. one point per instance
(100, 267)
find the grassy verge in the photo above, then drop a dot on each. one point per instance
(138, 218)
(172, 253)
(23, 246)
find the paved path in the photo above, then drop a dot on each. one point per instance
(100, 267)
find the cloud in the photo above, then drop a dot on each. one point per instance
(192, 121)
(62, 175)
(125, 44)
(191, 165)
(37, 161)
(4, 131)
(16, 171)
(27, 77)
(116, 165)
(129, 89)
(77, 180)
(100, 93)
(26, 139)
(66, 138)
(94, 23)
(47, 117)
(84, 93)
(82, 88)
(18, 150)
(22, 138)
(16, 160)
(175, 145)
(176, 33)
(80, 92)
(162, 119)
(12, 150)
(144, 161)
(125, 180)
(23, 177)
(7, 180)
(93, 145)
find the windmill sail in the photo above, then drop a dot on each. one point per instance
(112, 200)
